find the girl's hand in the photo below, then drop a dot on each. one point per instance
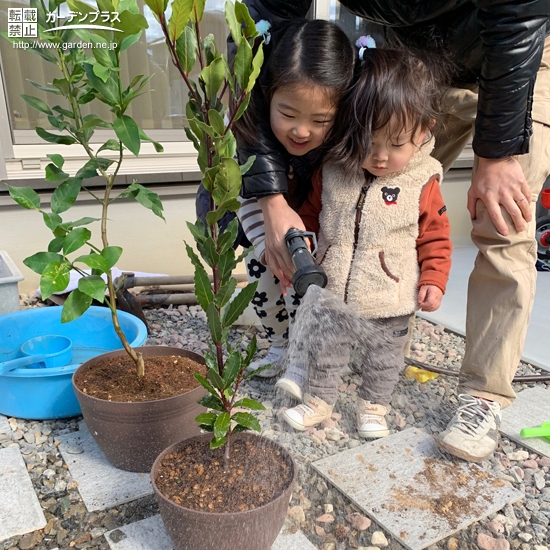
(278, 219)
(429, 297)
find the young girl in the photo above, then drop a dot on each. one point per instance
(383, 231)
(308, 71)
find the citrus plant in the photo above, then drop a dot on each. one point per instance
(83, 76)
(209, 129)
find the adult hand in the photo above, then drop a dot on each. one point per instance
(278, 219)
(501, 182)
(429, 297)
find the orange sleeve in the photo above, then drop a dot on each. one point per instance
(433, 244)
(310, 210)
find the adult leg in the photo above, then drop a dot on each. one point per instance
(501, 288)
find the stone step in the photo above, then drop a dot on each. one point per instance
(100, 484)
(403, 483)
(20, 511)
(530, 409)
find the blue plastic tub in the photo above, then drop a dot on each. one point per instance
(47, 393)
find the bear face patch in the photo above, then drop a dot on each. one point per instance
(389, 194)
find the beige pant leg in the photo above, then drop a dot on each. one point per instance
(501, 288)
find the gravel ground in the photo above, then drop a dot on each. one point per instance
(327, 518)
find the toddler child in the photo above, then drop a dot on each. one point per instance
(382, 229)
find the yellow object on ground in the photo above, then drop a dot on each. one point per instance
(420, 375)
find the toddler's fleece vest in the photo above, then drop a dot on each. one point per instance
(367, 240)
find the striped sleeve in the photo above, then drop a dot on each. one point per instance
(252, 221)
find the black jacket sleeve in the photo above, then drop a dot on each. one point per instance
(512, 35)
(268, 174)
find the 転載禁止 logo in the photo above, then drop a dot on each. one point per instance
(23, 22)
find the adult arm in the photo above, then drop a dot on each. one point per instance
(512, 35)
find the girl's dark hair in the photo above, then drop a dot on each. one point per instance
(305, 53)
(389, 85)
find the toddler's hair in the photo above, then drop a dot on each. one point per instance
(390, 86)
(306, 53)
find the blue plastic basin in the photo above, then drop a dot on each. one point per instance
(46, 393)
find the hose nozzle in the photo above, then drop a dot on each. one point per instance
(307, 272)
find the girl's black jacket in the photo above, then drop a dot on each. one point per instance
(497, 44)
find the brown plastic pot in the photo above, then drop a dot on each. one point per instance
(251, 530)
(133, 434)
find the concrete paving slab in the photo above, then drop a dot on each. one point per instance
(20, 511)
(100, 484)
(150, 534)
(403, 483)
(4, 425)
(530, 409)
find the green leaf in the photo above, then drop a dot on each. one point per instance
(215, 443)
(62, 84)
(75, 305)
(208, 45)
(58, 160)
(256, 67)
(247, 420)
(25, 196)
(64, 112)
(181, 12)
(94, 261)
(213, 76)
(54, 138)
(198, 232)
(56, 245)
(37, 104)
(212, 257)
(186, 49)
(111, 255)
(227, 238)
(144, 137)
(75, 239)
(158, 7)
(130, 24)
(89, 170)
(54, 174)
(127, 131)
(226, 265)
(82, 221)
(206, 418)
(93, 286)
(229, 76)
(38, 262)
(206, 385)
(214, 216)
(216, 121)
(228, 182)
(52, 220)
(93, 122)
(44, 88)
(145, 197)
(239, 304)
(251, 351)
(242, 108)
(251, 404)
(65, 195)
(225, 292)
(128, 41)
(215, 379)
(232, 368)
(214, 323)
(198, 10)
(203, 288)
(221, 426)
(247, 165)
(241, 11)
(243, 64)
(111, 145)
(108, 89)
(55, 278)
(232, 22)
(211, 402)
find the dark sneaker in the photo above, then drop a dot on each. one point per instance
(472, 434)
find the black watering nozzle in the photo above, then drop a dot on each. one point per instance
(307, 272)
